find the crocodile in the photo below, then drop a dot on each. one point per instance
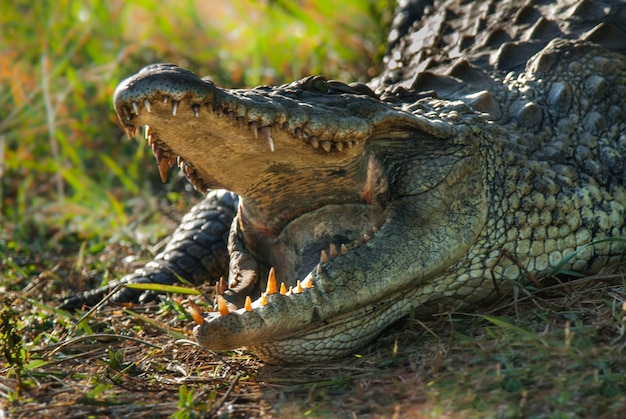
(489, 152)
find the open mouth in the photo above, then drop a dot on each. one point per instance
(284, 263)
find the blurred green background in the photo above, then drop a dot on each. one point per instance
(68, 174)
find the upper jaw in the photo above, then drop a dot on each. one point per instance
(259, 142)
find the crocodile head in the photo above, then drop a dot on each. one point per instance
(347, 202)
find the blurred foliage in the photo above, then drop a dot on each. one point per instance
(65, 168)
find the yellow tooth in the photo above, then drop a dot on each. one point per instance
(248, 303)
(344, 249)
(221, 306)
(263, 299)
(131, 131)
(196, 312)
(283, 288)
(271, 282)
(163, 165)
(308, 282)
(333, 251)
(221, 286)
(298, 289)
(319, 268)
(323, 256)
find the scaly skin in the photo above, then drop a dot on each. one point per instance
(438, 192)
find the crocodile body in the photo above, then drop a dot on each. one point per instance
(490, 150)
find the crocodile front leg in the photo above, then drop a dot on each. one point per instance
(196, 252)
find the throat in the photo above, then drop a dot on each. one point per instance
(280, 198)
(308, 239)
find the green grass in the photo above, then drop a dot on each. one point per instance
(77, 198)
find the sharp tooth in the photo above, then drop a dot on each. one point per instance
(163, 165)
(290, 290)
(271, 282)
(308, 281)
(339, 146)
(333, 250)
(146, 103)
(248, 303)
(131, 130)
(196, 312)
(221, 286)
(366, 237)
(323, 256)
(125, 112)
(196, 110)
(283, 288)
(135, 108)
(255, 129)
(298, 289)
(263, 299)
(314, 142)
(165, 99)
(174, 107)
(319, 268)
(266, 132)
(210, 107)
(326, 146)
(221, 306)
(344, 249)
(298, 133)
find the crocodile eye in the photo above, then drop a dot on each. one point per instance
(317, 83)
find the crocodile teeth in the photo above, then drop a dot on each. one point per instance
(344, 249)
(283, 288)
(255, 129)
(266, 132)
(165, 99)
(196, 110)
(163, 165)
(174, 107)
(333, 251)
(146, 103)
(135, 108)
(308, 281)
(131, 130)
(222, 307)
(263, 299)
(248, 303)
(126, 113)
(326, 146)
(271, 282)
(314, 141)
(196, 312)
(221, 286)
(298, 288)
(323, 256)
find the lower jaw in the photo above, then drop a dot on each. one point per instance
(342, 336)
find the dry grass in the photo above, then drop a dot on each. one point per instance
(557, 353)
